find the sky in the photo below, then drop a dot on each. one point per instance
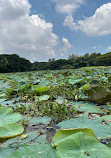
(39, 30)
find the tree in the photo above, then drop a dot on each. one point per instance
(14, 63)
(73, 56)
(3, 62)
(103, 60)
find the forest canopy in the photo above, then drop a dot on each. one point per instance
(14, 63)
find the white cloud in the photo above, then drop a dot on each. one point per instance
(94, 47)
(70, 23)
(109, 48)
(66, 43)
(32, 36)
(96, 25)
(66, 46)
(11, 9)
(67, 6)
(97, 47)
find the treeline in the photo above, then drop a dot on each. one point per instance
(75, 62)
(14, 63)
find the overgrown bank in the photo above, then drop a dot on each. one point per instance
(14, 63)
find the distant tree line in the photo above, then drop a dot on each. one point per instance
(14, 63)
(75, 62)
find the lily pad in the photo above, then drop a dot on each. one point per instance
(79, 145)
(28, 139)
(11, 130)
(44, 97)
(102, 131)
(40, 88)
(75, 81)
(34, 151)
(84, 87)
(98, 94)
(109, 78)
(87, 106)
(4, 152)
(106, 117)
(7, 116)
(63, 133)
(37, 120)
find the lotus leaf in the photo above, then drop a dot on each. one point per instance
(75, 81)
(37, 120)
(80, 145)
(41, 139)
(20, 84)
(4, 152)
(7, 103)
(102, 131)
(109, 145)
(87, 106)
(40, 88)
(98, 94)
(82, 97)
(8, 116)
(109, 78)
(28, 139)
(10, 130)
(44, 97)
(84, 87)
(63, 133)
(106, 117)
(34, 151)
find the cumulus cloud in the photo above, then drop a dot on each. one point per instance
(11, 9)
(109, 48)
(70, 23)
(96, 25)
(66, 46)
(67, 6)
(29, 36)
(94, 47)
(97, 47)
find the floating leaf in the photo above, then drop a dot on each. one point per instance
(98, 94)
(40, 88)
(11, 130)
(41, 139)
(34, 151)
(4, 152)
(44, 97)
(84, 87)
(20, 84)
(80, 145)
(109, 145)
(101, 131)
(23, 136)
(75, 81)
(106, 117)
(63, 133)
(8, 116)
(37, 120)
(109, 78)
(29, 138)
(87, 106)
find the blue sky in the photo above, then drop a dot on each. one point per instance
(43, 29)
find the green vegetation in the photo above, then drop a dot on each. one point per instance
(75, 143)
(56, 114)
(14, 63)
